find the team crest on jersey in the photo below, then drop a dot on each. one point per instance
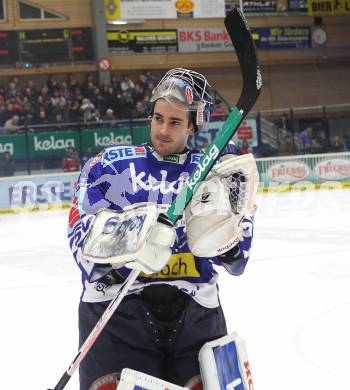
(118, 153)
(195, 158)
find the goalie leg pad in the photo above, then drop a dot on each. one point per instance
(131, 379)
(224, 364)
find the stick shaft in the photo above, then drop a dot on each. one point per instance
(89, 342)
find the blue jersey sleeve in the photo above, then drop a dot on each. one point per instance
(237, 258)
(237, 266)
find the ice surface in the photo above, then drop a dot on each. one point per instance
(292, 305)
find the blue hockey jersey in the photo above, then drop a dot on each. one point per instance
(125, 175)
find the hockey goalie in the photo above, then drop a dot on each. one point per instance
(118, 224)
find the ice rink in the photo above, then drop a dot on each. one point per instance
(292, 305)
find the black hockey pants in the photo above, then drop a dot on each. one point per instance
(158, 332)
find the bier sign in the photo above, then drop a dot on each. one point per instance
(329, 7)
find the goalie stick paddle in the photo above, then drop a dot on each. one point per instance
(242, 41)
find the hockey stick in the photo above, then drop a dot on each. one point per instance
(243, 43)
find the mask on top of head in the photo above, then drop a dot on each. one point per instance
(189, 91)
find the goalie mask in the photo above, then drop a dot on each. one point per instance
(189, 91)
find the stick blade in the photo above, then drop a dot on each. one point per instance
(243, 43)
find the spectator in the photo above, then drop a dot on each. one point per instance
(28, 93)
(42, 103)
(150, 78)
(306, 139)
(87, 155)
(96, 118)
(77, 95)
(337, 144)
(31, 85)
(244, 148)
(137, 93)
(27, 105)
(58, 121)
(44, 92)
(315, 145)
(12, 124)
(139, 111)
(10, 111)
(142, 81)
(110, 99)
(325, 145)
(11, 90)
(41, 118)
(345, 143)
(109, 115)
(3, 113)
(28, 120)
(126, 84)
(87, 109)
(88, 86)
(148, 91)
(71, 161)
(286, 147)
(98, 100)
(126, 105)
(115, 84)
(56, 97)
(89, 89)
(66, 93)
(62, 108)
(284, 123)
(52, 84)
(74, 111)
(7, 166)
(72, 83)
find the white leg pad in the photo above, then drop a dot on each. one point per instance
(224, 364)
(131, 379)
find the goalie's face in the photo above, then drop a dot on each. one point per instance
(170, 128)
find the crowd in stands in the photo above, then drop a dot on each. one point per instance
(57, 102)
(24, 104)
(310, 141)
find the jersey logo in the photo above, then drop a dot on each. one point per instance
(118, 153)
(140, 181)
(180, 265)
(195, 157)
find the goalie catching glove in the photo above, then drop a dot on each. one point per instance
(213, 217)
(138, 238)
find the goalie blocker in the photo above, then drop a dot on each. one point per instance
(223, 364)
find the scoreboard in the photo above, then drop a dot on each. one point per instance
(8, 47)
(46, 46)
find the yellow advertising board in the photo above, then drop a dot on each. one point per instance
(112, 9)
(328, 7)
